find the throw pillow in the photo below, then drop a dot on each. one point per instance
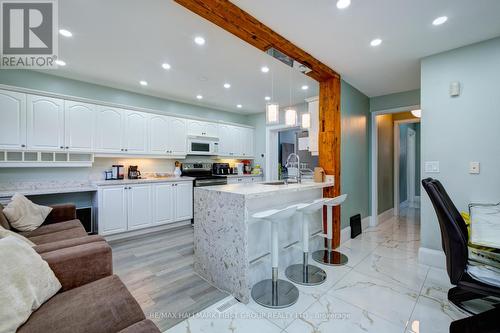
(6, 233)
(23, 214)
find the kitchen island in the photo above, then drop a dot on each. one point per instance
(232, 250)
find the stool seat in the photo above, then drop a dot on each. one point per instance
(336, 201)
(308, 208)
(276, 214)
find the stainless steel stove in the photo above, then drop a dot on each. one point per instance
(202, 173)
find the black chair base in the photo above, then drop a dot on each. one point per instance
(486, 322)
(458, 296)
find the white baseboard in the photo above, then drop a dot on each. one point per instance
(345, 234)
(431, 257)
(365, 223)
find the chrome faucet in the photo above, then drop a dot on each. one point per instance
(298, 177)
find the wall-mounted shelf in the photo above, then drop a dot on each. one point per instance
(27, 159)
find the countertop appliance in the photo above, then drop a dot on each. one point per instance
(202, 172)
(202, 145)
(247, 167)
(221, 169)
(239, 168)
(133, 172)
(117, 171)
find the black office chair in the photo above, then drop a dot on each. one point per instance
(454, 238)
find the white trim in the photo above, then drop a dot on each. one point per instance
(128, 107)
(365, 223)
(431, 257)
(374, 156)
(345, 234)
(271, 167)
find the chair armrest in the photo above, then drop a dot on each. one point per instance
(81, 264)
(61, 213)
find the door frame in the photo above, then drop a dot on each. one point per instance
(397, 149)
(374, 157)
(272, 140)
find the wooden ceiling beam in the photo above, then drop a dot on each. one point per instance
(235, 20)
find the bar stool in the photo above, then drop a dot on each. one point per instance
(304, 273)
(275, 293)
(328, 256)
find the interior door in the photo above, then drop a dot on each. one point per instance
(135, 135)
(112, 210)
(159, 134)
(139, 206)
(45, 123)
(79, 123)
(183, 201)
(177, 138)
(13, 123)
(164, 211)
(109, 130)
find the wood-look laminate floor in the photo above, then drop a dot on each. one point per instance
(158, 271)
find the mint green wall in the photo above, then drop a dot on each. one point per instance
(59, 85)
(355, 147)
(397, 100)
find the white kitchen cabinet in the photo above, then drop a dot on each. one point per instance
(45, 130)
(202, 128)
(112, 210)
(313, 109)
(79, 126)
(248, 144)
(167, 135)
(13, 123)
(139, 206)
(135, 136)
(163, 203)
(183, 200)
(232, 140)
(109, 130)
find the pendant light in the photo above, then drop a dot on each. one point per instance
(272, 108)
(290, 112)
(417, 113)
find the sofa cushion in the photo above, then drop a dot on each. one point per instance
(42, 248)
(145, 326)
(97, 307)
(3, 220)
(27, 282)
(56, 232)
(23, 214)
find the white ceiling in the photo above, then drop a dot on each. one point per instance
(341, 38)
(117, 43)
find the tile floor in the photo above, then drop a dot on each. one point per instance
(382, 289)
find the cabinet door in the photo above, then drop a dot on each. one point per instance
(109, 130)
(238, 140)
(139, 206)
(13, 124)
(112, 210)
(177, 138)
(45, 123)
(196, 128)
(79, 125)
(183, 201)
(163, 203)
(135, 135)
(225, 141)
(212, 130)
(248, 144)
(159, 133)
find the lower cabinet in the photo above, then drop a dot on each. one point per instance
(131, 207)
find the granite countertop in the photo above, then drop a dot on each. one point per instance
(257, 190)
(142, 181)
(50, 187)
(244, 175)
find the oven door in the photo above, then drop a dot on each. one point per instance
(210, 182)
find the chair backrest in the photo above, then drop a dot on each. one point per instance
(452, 226)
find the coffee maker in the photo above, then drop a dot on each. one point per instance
(133, 172)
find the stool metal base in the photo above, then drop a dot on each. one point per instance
(306, 275)
(331, 258)
(285, 294)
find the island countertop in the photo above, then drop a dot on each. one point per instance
(258, 190)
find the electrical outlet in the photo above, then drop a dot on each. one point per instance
(474, 168)
(431, 167)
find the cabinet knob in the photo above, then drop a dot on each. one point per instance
(61, 147)
(67, 147)
(126, 149)
(23, 146)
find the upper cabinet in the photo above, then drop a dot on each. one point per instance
(109, 130)
(79, 121)
(313, 108)
(203, 128)
(236, 141)
(135, 135)
(13, 124)
(248, 149)
(167, 135)
(45, 123)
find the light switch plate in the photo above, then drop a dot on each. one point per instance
(474, 168)
(432, 167)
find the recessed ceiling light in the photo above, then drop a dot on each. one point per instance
(304, 87)
(199, 97)
(264, 69)
(239, 106)
(267, 98)
(143, 83)
(166, 66)
(65, 33)
(199, 40)
(376, 42)
(343, 4)
(227, 85)
(440, 20)
(60, 62)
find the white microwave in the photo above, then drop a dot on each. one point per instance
(202, 146)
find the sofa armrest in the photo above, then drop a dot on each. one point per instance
(61, 213)
(81, 264)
